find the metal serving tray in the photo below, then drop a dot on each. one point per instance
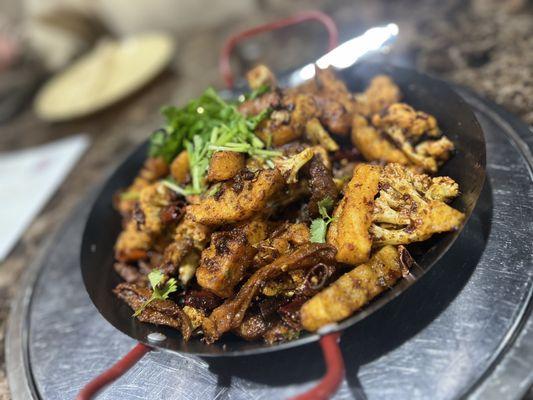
(463, 330)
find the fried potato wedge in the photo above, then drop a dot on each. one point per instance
(353, 290)
(349, 231)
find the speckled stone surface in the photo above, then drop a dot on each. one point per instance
(486, 45)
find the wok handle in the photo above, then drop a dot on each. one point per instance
(334, 370)
(310, 15)
(114, 372)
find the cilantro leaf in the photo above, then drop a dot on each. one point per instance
(155, 277)
(160, 290)
(173, 185)
(319, 226)
(261, 90)
(318, 230)
(324, 206)
(205, 125)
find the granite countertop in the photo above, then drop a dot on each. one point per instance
(486, 45)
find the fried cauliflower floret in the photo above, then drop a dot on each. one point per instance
(239, 199)
(439, 149)
(259, 76)
(390, 205)
(316, 134)
(183, 254)
(413, 123)
(353, 290)
(352, 219)
(380, 93)
(289, 167)
(325, 98)
(414, 133)
(326, 81)
(372, 145)
(411, 207)
(188, 266)
(152, 200)
(132, 244)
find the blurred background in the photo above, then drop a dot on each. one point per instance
(86, 78)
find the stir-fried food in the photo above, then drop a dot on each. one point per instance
(260, 218)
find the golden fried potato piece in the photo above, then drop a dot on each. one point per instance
(349, 231)
(372, 145)
(285, 126)
(179, 168)
(239, 200)
(411, 207)
(132, 244)
(380, 93)
(229, 255)
(352, 290)
(224, 165)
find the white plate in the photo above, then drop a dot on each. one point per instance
(107, 74)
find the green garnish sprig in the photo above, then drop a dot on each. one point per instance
(205, 125)
(319, 226)
(160, 290)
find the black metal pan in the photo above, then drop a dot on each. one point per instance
(467, 167)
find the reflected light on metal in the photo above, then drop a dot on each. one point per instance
(349, 52)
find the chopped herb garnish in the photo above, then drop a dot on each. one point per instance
(319, 226)
(160, 290)
(261, 90)
(213, 190)
(205, 125)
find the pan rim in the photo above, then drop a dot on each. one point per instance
(368, 310)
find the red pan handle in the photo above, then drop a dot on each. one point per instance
(310, 15)
(113, 373)
(331, 381)
(327, 386)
